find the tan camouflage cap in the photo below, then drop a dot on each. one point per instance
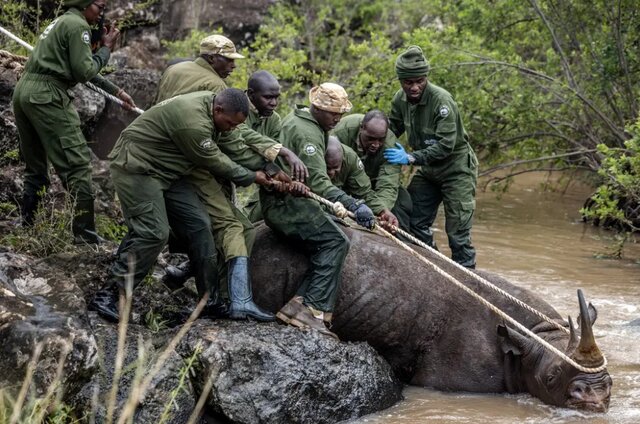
(219, 44)
(330, 97)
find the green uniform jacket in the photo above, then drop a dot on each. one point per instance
(63, 52)
(385, 177)
(266, 125)
(198, 75)
(302, 134)
(354, 181)
(434, 127)
(173, 138)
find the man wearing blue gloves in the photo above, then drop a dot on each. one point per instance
(449, 167)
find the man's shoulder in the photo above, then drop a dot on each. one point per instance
(439, 93)
(351, 162)
(351, 121)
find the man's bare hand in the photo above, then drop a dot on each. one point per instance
(128, 104)
(388, 219)
(110, 35)
(262, 179)
(296, 188)
(299, 170)
(282, 177)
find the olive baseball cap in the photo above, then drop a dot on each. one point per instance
(219, 44)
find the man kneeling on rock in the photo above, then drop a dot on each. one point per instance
(303, 221)
(147, 165)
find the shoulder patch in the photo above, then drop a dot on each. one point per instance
(310, 149)
(206, 144)
(444, 111)
(48, 29)
(86, 37)
(360, 164)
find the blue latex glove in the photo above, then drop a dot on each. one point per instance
(397, 156)
(364, 215)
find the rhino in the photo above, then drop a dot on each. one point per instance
(435, 335)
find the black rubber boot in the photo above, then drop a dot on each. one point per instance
(105, 303)
(240, 294)
(84, 225)
(216, 309)
(29, 207)
(176, 276)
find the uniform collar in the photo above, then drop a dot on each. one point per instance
(206, 65)
(75, 11)
(304, 112)
(209, 102)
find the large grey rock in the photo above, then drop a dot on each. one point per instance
(141, 85)
(166, 395)
(269, 373)
(41, 305)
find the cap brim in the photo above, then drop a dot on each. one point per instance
(232, 55)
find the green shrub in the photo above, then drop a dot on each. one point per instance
(51, 230)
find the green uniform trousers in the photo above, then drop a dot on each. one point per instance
(403, 208)
(233, 233)
(453, 183)
(49, 129)
(152, 209)
(302, 221)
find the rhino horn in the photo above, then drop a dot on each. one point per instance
(573, 338)
(587, 352)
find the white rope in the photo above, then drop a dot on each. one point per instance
(482, 300)
(88, 84)
(480, 279)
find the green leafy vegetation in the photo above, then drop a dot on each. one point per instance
(51, 230)
(110, 229)
(616, 203)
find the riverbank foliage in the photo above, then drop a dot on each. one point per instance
(541, 84)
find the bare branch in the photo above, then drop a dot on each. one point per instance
(494, 180)
(540, 159)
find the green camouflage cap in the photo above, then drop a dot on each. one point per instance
(330, 97)
(219, 44)
(80, 4)
(412, 64)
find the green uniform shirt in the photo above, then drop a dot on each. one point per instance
(63, 52)
(354, 181)
(173, 138)
(187, 77)
(434, 127)
(385, 177)
(302, 134)
(198, 75)
(266, 125)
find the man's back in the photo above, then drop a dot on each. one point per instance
(187, 77)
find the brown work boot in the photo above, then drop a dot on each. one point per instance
(306, 318)
(290, 309)
(328, 317)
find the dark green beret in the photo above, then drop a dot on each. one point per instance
(412, 64)
(80, 4)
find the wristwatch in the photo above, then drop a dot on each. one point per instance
(271, 169)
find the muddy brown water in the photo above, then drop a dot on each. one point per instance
(536, 239)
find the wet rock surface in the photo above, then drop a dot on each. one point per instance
(260, 372)
(265, 373)
(40, 306)
(169, 394)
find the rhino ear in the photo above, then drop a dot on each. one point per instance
(512, 341)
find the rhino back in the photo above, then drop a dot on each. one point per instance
(430, 331)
